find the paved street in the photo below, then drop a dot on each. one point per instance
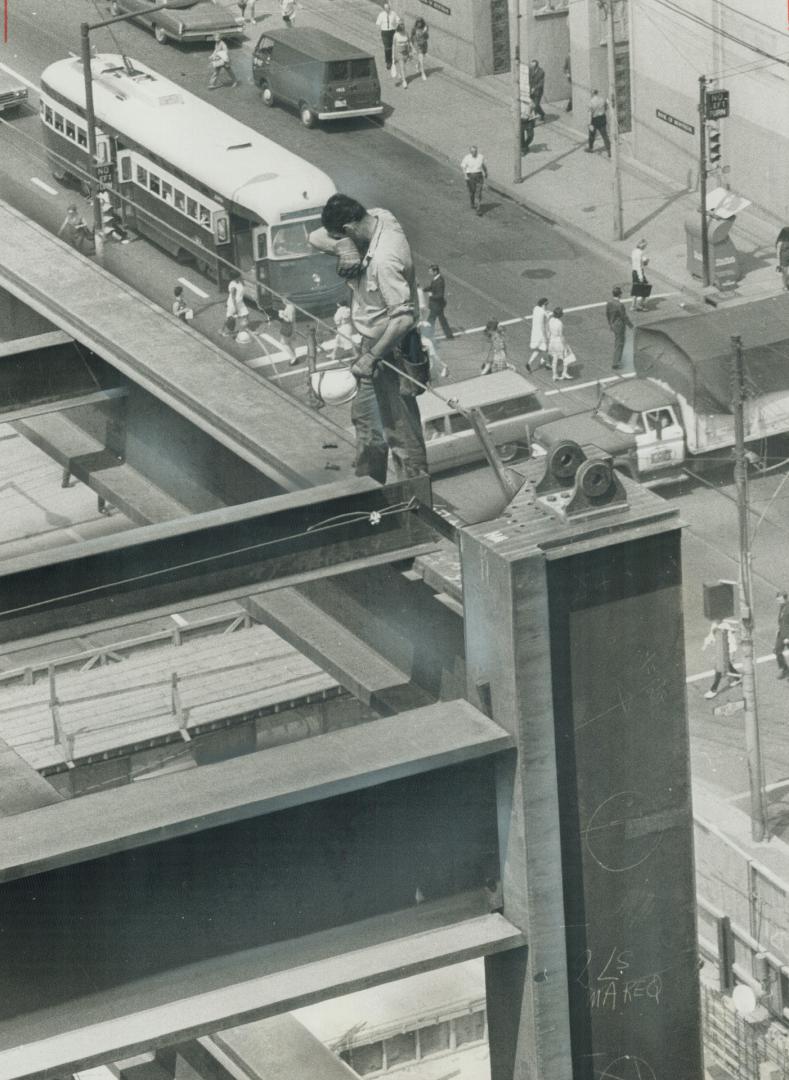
(496, 265)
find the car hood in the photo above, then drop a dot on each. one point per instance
(586, 430)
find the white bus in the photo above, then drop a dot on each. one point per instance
(192, 179)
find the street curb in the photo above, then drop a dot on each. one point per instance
(573, 232)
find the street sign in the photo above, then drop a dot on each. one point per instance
(716, 104)
(104, 175)
(668, 119)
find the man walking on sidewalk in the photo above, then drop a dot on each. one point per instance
(598, 121)
(475, 170)
(437, 301)
(782, 636)
(387, 23)
(618, 322)
(537, 86)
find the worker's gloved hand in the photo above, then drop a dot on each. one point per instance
(349, 261)
(364, 366)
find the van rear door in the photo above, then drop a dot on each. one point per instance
(351, 84)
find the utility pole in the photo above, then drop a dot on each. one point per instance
(515, 35)
(613, 127)
(705, 237)
(759, 824)
(90, 118)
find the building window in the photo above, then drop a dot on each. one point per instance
(469, 1028)
(433, 1039)
(365, 1059)
(400, 1048)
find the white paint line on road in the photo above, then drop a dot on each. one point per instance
(592, 382)
(567, 310)
(179, 620)
(767, 787)
(708, 674)
(187, 284)
(44, 187)
(10, 71)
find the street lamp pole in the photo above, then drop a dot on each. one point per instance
(515, 34)
(90, 119)
(705, 236)
(759, 822)
(619, 229)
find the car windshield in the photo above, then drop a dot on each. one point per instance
(616, 413)
(290, 241)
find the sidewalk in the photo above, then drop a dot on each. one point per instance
(562, 183)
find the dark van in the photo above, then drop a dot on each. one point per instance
(323, 77)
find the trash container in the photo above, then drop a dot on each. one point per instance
(724, 257)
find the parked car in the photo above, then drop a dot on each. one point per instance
(184, 20)
(13, 93)
(318, 74)
(512, 409)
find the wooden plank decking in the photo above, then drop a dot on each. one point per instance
(126, 704)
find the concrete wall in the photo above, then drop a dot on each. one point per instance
(462, 37)
(670, 52)
(19, 321)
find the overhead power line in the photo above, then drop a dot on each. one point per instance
(736, 39)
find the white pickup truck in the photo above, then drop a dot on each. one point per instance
(675, 415)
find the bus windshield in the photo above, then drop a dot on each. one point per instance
(290, 241)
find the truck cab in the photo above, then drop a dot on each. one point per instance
(637, 423)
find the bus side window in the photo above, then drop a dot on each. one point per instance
(82, 139)
(71, 132)
(48, 115)
(167, 191)
(434, 429)
(179, 201)
(142, 176)
(155, 185)
(125, 167)
(191, 208)
(261, 247)
(58, 122)
(205, 218)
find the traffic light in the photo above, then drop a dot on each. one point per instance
(713, 144)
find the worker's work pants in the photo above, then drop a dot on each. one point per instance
(387, 420)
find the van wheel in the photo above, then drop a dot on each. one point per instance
(265, 93)
(508, 451)
(160, 34)
(307, 116)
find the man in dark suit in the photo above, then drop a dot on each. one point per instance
(437, 302)
(618, 321)
(537, 86)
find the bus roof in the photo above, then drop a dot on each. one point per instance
(481, 390)
(235, 161)
(316, 44)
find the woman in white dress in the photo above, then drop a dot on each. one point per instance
(558, 350)
(539, 340)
